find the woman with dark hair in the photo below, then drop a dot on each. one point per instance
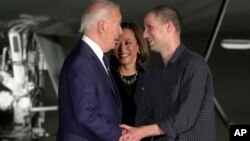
(128, 66)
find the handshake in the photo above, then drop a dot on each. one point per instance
(130, 133)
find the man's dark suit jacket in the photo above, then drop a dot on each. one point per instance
(89, 103)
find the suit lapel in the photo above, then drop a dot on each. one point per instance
(110, 82)
(109, 79)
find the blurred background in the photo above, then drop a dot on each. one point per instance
(35, 37)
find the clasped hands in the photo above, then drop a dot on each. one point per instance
(130, 133)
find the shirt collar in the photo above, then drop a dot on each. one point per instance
(95, 47)
(176, 56)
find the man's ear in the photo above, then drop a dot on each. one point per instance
(170, 26)
(101, 26)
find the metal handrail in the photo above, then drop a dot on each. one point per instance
(208, 50)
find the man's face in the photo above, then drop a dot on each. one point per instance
(113, 29)
(154, 32)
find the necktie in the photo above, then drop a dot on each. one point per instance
(106, 63)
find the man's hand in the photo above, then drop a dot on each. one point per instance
(130, 133)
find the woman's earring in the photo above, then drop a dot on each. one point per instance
(139, 52)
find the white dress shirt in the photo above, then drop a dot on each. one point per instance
(96, 48)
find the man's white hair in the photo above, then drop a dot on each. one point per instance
(97, 11)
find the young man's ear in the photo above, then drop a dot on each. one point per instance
(170, 26)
